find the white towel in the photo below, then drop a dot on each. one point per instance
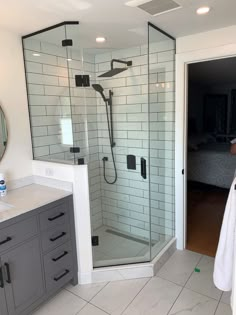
(224, 261)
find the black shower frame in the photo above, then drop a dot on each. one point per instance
(22, 42)
(51, 28)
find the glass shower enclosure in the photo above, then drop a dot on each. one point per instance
(110, 106)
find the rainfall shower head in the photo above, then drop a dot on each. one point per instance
(115, 71)
(98, 88)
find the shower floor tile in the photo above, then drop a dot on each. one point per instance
(115, 247)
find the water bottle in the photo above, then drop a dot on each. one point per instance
(3, 187)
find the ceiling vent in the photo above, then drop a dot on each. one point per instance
(156, 7)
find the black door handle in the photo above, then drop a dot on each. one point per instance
(56, 217)
(8, 273)
(59, 257)
(63, 275)
(8, 239)
(1, 279)
(143, 168)
(53, 239)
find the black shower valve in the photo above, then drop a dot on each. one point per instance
(105, 159)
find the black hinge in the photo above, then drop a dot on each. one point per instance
(95, 240)
(82, 80)
(74, 150)
(235, 187)
(67, 42)
(182, 171)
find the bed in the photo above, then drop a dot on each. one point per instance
(212, 164)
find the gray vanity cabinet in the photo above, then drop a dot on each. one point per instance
(3, 305)
(23, 276)
(37, 256)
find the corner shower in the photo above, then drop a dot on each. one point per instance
(84, 109)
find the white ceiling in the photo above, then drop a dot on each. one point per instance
(111, 18)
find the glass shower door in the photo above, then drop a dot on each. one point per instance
(161, 76)
(124, 235)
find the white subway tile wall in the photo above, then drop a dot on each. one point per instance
(130, 205)
(125, 204)
(53, 101)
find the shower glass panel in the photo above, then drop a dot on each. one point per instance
(109, 106)
(161, 77)
(123, 227)
(47, 75)
(113, 114)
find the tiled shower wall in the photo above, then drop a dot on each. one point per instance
(125, 204)
(52, 102)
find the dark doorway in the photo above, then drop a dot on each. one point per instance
(211, 167)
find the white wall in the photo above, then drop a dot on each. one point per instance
(13, 99)
(205, 40)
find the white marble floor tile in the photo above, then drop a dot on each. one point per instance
(90, 309)
(226, 297)
(202, 282)
(63, 303)
(86, 291)
(192, 303)
(223, 309)
(179, 267)
(116, 296)
(156, 298)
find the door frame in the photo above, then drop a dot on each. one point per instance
(182, 62)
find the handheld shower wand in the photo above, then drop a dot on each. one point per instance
(108, 101)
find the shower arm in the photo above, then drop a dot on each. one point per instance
(127, 63)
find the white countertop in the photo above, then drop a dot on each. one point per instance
(28, 198)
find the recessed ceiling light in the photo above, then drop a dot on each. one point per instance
(203, 10)
(100, 39)
(69, 59)
(36, 54)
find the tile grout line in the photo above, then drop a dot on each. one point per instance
(218, 303)
(90, 302)
(202, 256)
(184, 285)
(136, 295)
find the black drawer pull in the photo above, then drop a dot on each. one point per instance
(8, 239)
(53, 239)
(63, 275)
(1, 279)
(56, 217)
(59, 257)
(8, 273)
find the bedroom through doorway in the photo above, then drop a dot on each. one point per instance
(210, 164)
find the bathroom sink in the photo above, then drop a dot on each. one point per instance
(5, 206)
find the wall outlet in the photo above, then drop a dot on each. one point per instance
(49, 172)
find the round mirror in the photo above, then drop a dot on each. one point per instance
(3, 133)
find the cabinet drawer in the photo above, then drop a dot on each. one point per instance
(17, 233)
(55, 237)
(59, 277)
(54, 216)
(58, 259)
